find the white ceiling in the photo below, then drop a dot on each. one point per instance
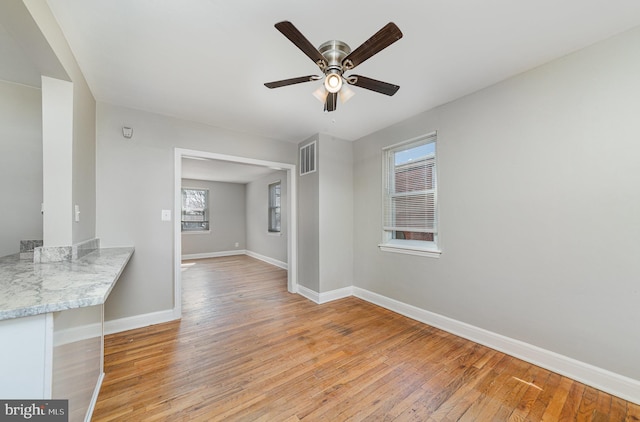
(207, 60)
(222, 171)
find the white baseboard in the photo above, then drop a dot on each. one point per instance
(213, 254)
(267, 259)
(308, 293)
(326, 296)
(610, 382)
(252, 254)
(336, 294)
(94, 399)
(139, 321)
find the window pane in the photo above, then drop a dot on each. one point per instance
(413, 236)
(410, 191)
(413, 154)
(274, 207)
(195, 210)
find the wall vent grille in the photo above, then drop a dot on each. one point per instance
(308, 158)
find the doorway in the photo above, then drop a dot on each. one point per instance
(179, 154)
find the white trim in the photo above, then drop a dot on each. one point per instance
(94, 398)
(190, 232)
(139, 321)
(177, 233)
(336, 294)
(308, 293)
(252, 254)
(325, 297)
(213, 254)
(433, 134)
(610, 382)
(267, 259)
(410, 250)
(48, 354)
(292, 220)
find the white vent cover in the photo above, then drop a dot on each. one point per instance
(308, 158)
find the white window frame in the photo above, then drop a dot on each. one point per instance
(208, 212)
(271, 206)
(405, 246)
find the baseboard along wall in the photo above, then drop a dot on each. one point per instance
(610, 382)
(267, 259)
(602, 379)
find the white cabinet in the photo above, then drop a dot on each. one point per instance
(57, 355)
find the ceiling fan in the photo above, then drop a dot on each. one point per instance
(334, 58)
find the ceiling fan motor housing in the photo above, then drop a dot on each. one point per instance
(334, 52)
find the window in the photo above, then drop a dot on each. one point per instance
(274, 207)
(409, 197)
(308, 158)
(195, 210)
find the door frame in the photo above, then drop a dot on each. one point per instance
(292, 219)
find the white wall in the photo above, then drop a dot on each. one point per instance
(135, 181)
(20, 165)
(57, 163)
(539, 203)
(259, 240)
(227, 208)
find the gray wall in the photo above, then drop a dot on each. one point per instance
(325, 217)
(539, 203)
(308, 224)
(259, 240)
(135, 181)
(83, 189)
(335, 213)
(226, 219)
(20, 165)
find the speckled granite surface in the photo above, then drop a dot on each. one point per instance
(28, 289)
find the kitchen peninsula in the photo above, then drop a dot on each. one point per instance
(51, 326)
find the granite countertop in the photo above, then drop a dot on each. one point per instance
(31, 289)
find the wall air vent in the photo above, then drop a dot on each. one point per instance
(308, 158)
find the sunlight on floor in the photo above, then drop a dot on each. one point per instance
(186, 265)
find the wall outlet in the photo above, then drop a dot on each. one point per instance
(237, 244)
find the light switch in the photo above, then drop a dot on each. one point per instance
(166, 215)
(77, 213)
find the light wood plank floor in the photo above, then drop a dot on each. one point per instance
(247, 350)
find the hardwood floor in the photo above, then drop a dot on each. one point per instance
(247, 350)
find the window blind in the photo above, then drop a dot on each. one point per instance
(410, 188)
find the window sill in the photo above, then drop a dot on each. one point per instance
(411, 249)
(190, 232)
(274, 233)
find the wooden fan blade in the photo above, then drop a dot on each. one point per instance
(382, 39)
(296, 37)
(292, 81)
(331, 102)
(373, 84)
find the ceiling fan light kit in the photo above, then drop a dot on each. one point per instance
(334, 58)
(333, 82)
